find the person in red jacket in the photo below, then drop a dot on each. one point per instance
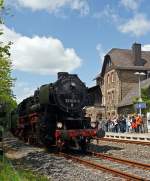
(133, 124)
(138, 123)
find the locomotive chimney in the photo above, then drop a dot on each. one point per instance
(62, 74)
(136, 54)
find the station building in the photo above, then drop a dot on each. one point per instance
(118, 81)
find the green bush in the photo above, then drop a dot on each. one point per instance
(8, 173)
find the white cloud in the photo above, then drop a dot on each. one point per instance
(109, 14)
(131, 4)
(26, 90)
(52, 6)
(42, 55)
(146, 47)
(139, 25)
(100, 51)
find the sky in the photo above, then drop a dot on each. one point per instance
(69, 35)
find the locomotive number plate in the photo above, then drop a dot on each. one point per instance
(72, 100)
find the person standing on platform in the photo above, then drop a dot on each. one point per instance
(123, 124)
(107, 125)
(133, 124)
(128, 123)
(119, 123)
(111, 125)
(138, 123)
(115, 123)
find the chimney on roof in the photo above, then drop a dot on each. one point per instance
(136, 54)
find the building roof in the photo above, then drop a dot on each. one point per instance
(134, 92)
(124, 58)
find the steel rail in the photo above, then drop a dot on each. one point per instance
(113, 171)
(121, 160)
(124, 141)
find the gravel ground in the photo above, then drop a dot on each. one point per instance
(134, 152)
(60, 169)
(54, 167)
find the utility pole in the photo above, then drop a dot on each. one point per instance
(140, 98)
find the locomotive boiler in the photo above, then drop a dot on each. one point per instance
(55, 114)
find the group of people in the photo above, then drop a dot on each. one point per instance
(124, 124)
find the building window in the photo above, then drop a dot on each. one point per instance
(103, 100)
(109, 63)
(112, 77)
(112, 96)
(108, 115)
(109, 98)
(108, 77)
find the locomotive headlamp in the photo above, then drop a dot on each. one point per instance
(93, 124)
(59, 125)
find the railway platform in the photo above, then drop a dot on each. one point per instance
(143, 137)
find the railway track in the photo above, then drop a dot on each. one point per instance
(120, 160)
(123, 141)
(94, 160)
(116, 172)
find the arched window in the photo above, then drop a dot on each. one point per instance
(112, 96)
(108, 77)
(109, 98)
(103, 100)
(112, 77)
(109, 62)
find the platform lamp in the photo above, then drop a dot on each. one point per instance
(139, 74)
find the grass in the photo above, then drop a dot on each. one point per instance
(8, 173)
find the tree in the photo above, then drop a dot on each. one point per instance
(6, 81)
(146, 97)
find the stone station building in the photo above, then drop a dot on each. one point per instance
(118, 80)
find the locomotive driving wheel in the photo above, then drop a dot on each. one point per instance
(42, 133)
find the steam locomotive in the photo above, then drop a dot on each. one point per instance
(55, 114)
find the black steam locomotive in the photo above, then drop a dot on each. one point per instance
(55, 114)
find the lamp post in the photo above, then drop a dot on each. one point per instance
(139, 75)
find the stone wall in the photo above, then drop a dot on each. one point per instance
(95, 113)
(128, 80)
(114, 89)
(110, 91)
(126, 110)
